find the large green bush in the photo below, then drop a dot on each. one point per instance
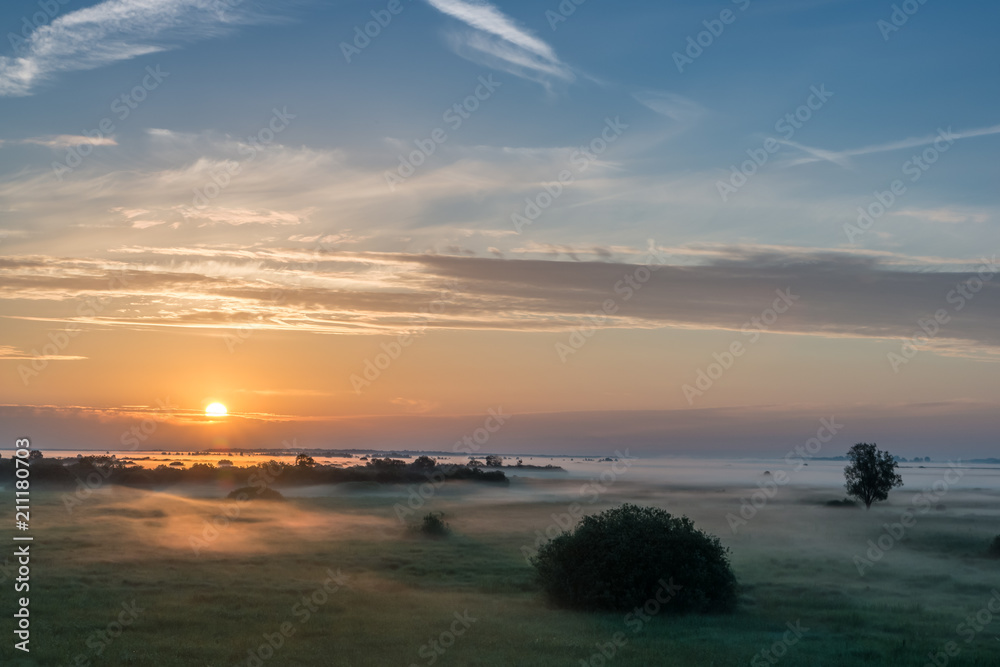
(616, 560)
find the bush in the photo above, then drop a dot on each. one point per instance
(255, 493)
(994, 550)
(434, 525)
(616, 560)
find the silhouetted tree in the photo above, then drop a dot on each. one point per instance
(474, 463)
(871, 473)
(305, 461)
(386, 463)
(424, 463)
(493, 461)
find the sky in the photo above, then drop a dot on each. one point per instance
(675, 228)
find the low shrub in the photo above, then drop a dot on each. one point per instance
(434, 525)
(255, 493)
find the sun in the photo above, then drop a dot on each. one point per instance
(216, 410)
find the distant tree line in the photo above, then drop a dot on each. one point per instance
(96, 470)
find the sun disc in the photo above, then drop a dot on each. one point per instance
(216, 410)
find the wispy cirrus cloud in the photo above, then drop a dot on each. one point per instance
(952, 215)
(842, 158)
(68, 140)
(673, 106)
(8, 352)
(498, 42)
(113, 31)
(840, 294)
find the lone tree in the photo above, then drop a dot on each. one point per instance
(871, 475)
(627, 556)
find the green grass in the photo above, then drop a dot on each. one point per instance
(403, 589)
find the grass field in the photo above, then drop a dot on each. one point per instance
(394, 597)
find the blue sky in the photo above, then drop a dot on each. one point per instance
(934, 72)
(671, 136)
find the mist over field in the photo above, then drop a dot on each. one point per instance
(346, 560)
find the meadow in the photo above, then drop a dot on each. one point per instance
(337, 575)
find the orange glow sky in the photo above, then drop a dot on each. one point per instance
(274, 294)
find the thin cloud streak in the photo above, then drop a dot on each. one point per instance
(69, 140)
(7, 353)
(676, 107)
(498, 42)
(110, 32)
(841, 158)
(488, 18)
